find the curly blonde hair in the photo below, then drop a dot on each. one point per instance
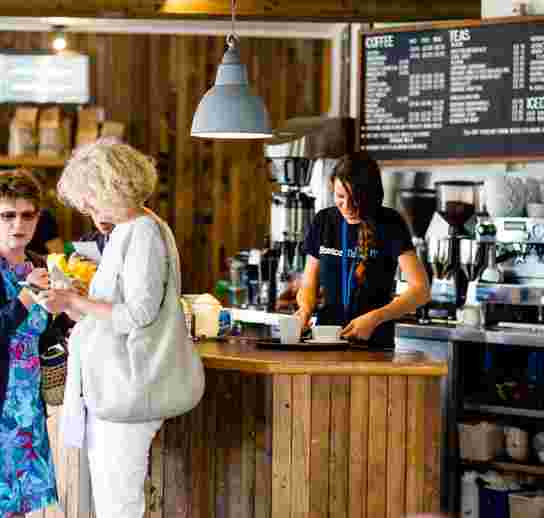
(110, 173)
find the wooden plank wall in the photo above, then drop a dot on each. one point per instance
(215, 194)
(305, 446)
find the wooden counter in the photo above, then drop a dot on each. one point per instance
(278, 434)
(242, 355)
(304, 434)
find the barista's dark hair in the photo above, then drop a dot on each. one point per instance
(21, 184)
(360, 175)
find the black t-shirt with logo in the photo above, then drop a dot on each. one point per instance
(324, 242)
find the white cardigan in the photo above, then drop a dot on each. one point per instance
(142, 276)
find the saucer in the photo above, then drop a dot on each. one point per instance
(306, 345)
(324, 341)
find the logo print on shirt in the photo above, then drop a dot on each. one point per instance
(352, 252)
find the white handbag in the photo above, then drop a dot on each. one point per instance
(153, 372)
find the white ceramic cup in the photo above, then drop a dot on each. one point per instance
(326, 332)
(471, 315)
(290, 329)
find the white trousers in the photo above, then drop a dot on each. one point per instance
(118, 458)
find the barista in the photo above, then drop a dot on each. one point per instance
(353, 250)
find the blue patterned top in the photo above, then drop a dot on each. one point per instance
(27, 476)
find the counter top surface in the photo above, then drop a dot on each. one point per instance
(437, 331)
(242, 354)
(530, 337)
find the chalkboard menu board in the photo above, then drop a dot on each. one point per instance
(463, 92)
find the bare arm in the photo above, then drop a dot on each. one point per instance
(418, 293)
(76, 305)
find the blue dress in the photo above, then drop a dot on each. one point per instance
(27, 476)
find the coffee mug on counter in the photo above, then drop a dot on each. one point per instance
(471, 315)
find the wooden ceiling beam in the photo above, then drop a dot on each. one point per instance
(295, 10)
(347, 10)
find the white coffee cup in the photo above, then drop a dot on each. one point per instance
(471, 315)
(290, 329)
(326, 332)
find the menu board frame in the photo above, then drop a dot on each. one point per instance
(424, 27)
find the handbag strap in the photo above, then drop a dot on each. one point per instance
(174, 272)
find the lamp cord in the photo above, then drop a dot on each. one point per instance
(232, 38)
(233, 11)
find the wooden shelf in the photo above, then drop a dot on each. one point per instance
(504, 410)
(511, 467)
(32, 161)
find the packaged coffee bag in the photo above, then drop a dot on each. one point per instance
(22, 134)
(51, 133)
(88, 120)
(113, 129)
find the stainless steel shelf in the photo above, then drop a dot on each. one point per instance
(504, 410)
(509, 467)
(518, 337)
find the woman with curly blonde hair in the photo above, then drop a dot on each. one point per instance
(111, 182)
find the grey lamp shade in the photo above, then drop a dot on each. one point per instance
(229, 110)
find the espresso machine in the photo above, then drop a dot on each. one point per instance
(517, 252)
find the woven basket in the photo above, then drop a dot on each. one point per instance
(53, 369)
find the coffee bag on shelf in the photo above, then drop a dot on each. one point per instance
(88, 120)
(113, 129)
(51, 133)
(22, 134)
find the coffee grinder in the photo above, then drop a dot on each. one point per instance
(418, 207)
(456, 202)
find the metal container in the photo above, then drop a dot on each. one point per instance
(291, 213)
(292, 171)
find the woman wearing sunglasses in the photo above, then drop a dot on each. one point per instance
(353, 250)
(27, 477)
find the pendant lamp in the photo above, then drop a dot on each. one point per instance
(229, 110)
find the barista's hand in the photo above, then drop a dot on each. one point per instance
(304, 317)
(362, 327)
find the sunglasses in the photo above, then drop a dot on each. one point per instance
(9, 216)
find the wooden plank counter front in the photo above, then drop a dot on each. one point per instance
(349, 434)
